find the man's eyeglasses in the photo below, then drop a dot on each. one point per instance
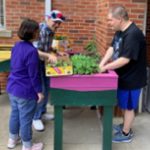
(57, 22)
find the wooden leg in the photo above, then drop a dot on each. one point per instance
(107, 128)
(58, 128)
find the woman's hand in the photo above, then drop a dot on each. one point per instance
(40, 97)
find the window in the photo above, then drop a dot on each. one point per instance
(2, 23)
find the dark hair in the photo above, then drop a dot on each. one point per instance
(28, 29)
(119, 11)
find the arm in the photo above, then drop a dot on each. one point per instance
(34, 74)
(44, 45)
(107, 57)
(120, 62)
(48, 56)
(42, 55)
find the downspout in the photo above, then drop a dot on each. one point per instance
(145, 18)
(48, 6)
(144, 90)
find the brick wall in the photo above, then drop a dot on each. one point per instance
(102, 30)
(3, 81)
(148, 34)
(85, 19)
(16, 10)
(81, 20)
(136, 10)
(79, 26)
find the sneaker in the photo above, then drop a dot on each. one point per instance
(36, 146)
(38, 125)
(12, 143)
(47, 116)
(120, 137)
(119, 127)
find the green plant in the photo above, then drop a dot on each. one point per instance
(91, 46)
(84, 64)
(59, 63)
(91, 50)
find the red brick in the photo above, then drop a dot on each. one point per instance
(86, 17)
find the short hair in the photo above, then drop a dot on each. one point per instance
(27, 29)
(119, 11)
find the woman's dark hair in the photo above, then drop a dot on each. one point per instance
(28, 29)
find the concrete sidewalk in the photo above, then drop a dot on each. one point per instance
(82, 130)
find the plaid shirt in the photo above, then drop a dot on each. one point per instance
(46, 37)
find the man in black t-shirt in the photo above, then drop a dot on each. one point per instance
(128, 55)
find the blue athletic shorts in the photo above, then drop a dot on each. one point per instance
(128, 99)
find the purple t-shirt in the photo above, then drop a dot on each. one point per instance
(24, 80)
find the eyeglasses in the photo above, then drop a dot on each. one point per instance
(57, 22)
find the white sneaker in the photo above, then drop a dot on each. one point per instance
(12, 143)
(38, 125)
(47, 116)
(36, 146)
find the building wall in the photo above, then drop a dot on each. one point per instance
(80, 20)
(84, 19)
(79, 25)
(102, 30)
(16, 10)
(136, 10)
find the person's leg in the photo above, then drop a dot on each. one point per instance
(13, 123)
(128, 102)
(41, 107)
(26, 113)
(129, 116)
(46, 93)
(122, 97)
(14, 116)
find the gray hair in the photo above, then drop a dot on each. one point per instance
(119, 11)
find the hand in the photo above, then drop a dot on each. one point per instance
(102, 69)
(40, 97)
(52, 58)
(63, 54)
(101, 65)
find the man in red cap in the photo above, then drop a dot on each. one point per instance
(47, 31)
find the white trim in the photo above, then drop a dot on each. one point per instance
(145, 18)
(48, 6)
(5, 33)
(140, 101)
(4, 14)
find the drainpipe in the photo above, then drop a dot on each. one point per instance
(48, 6)
(145, 18)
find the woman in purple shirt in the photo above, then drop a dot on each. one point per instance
(24, 86)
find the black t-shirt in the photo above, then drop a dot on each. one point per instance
(131, 44)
